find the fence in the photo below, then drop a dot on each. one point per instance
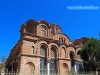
(6, 72)
(83, 73)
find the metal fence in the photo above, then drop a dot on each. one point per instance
(83, 73)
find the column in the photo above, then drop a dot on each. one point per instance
(75, 68)
(48, 66)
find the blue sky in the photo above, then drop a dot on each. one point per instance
(75, 23)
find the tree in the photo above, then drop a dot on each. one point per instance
(2, 62)
(90, 53)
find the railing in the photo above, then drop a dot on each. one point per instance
(6, 72)
(3, 72)
(13, 73)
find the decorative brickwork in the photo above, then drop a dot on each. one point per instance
(43, 48)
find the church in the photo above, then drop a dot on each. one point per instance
(43, 49)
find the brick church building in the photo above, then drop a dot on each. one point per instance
(43, 49)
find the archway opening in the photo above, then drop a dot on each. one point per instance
(72, 56)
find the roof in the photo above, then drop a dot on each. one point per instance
(81, 41)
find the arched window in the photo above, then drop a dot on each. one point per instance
(43, 62)
(43, 51)
(44, 30)
(53, 60)
(53, 52)
(59, 38)
(72, 56)
(44, 33)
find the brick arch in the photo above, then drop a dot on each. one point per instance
(44, 22)
(53, 51)
(43, 50)
(43, 30)
(62, 51)
(70, 49)
(56, 46)
(72, 55)
(39, 42)
(44, 26)
(39, 45)
(30, 68)
(78, 49)
(43, 43)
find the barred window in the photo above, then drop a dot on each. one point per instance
(53, 61)
(53, 52)
(43, 50)
(43, 66)
(43, 63)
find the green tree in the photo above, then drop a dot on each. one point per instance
(90, 53)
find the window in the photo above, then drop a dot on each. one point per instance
(79, 52)
(53, 67)
(59, 39)
(43, 32)
(43, 62)
(72, 55)
(33, 49)
(64, 40)
(43, 66)
(53, 53)
(43, 51)
(53, 61)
